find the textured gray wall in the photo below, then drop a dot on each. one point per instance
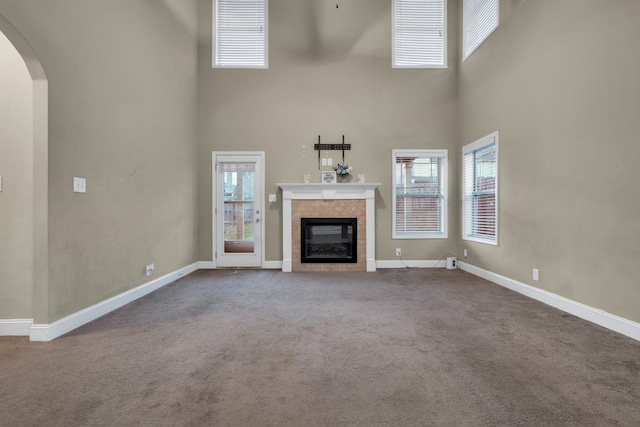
(122, 114)
(559, 80)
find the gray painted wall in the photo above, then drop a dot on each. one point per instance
(16, 197)
(122, 114)
(559, 81)
(329, 74)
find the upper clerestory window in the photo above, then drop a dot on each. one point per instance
(480, 19)
(419, 33)
(240, 34)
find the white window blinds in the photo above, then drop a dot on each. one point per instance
(419, 34)
(480, 19)
(240, 33)
(420, 194)
(480, 181)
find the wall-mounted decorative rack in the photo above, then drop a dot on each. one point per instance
(319, 147)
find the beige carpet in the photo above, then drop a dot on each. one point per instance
(411, 347)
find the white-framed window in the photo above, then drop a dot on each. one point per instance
(240, 33)
(480, 190)
(419, 194)
(419, 33)
(479, 19)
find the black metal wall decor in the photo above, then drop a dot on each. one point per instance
(319, 147)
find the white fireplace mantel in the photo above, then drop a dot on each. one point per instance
(342, 191)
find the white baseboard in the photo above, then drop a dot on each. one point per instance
(15, 327)
(268, 265)
(48, 332)
(594, 315)
(411, 264)
(272, 265)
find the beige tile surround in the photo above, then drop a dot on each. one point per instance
(328, 209)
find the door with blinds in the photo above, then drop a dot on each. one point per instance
(238, 198)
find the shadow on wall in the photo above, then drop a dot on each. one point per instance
(330, 33)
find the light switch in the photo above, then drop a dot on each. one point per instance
(79, 185)
(273, 198)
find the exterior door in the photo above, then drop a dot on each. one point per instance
(238, 199)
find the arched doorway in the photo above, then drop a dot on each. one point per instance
(36, 310)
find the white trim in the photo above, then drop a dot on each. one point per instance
(482, 142)
(272, 265)
(444, 180)
(258, 195)
(412, 263)
(267, 265)
(15, 327)
(51, 331)
(206, 265)
(599, 317)
(492, 138)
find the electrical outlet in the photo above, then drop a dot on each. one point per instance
(79, 185)
(150, 269)
(398, 252)
(536, 274)
(465, 253)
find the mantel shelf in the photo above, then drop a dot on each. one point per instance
(328, 191)
(319, 186)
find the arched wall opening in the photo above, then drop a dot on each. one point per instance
(19, 322)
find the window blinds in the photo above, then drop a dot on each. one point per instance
(240, 33)
(480, 180)
(419, 195)
(480, 18)
(419, 34)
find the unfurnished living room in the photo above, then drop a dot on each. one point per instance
(319, 212)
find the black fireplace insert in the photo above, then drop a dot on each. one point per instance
(325, 240)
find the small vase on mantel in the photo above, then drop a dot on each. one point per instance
(345, 179)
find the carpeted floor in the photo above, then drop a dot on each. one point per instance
(410, 347)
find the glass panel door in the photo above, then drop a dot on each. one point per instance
(238, 212)
(239, 180)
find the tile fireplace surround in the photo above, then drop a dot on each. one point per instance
(324, 201)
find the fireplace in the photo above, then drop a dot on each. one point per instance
(329, 240)
(321, 201)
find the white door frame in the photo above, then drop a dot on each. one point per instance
(259, 192)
